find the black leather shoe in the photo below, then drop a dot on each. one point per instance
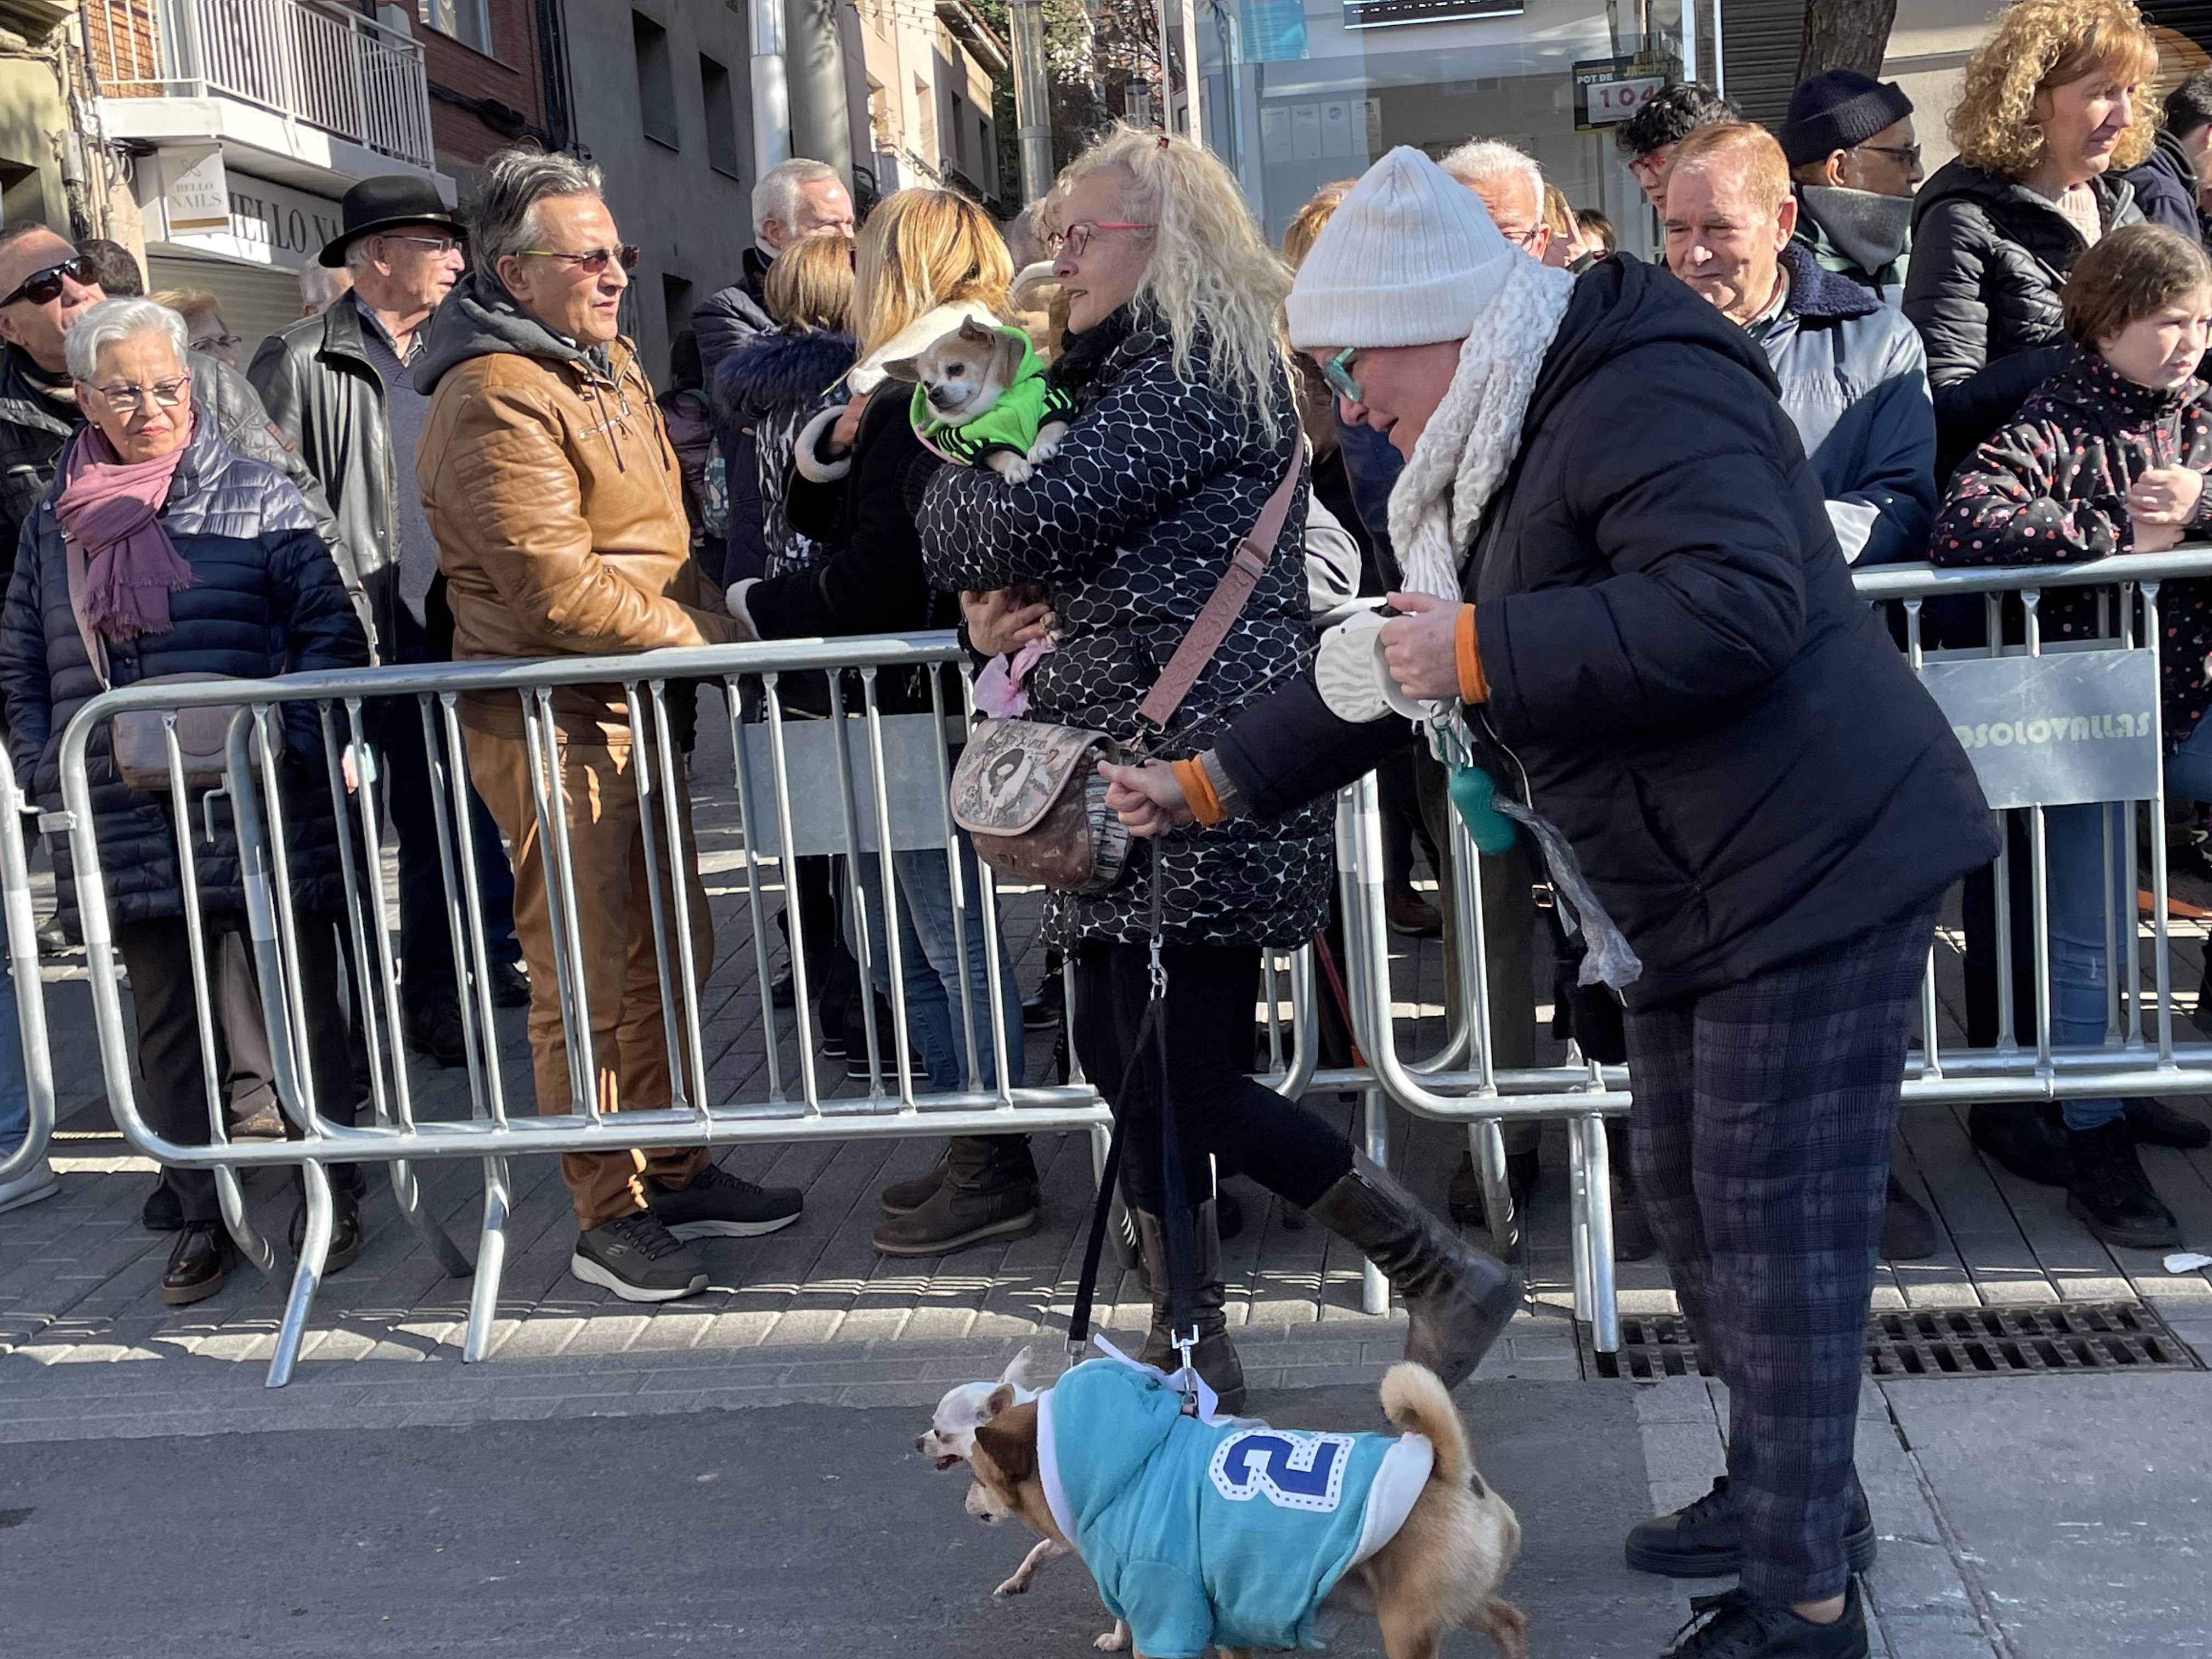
(435, 1028)
(510, 985)
(198, 1264)
(347, 1235)
(2029, 1140)
(2155, 1123)
(2112, 1196)
(161, 1213)
(782, 990)
(1700, 1539)
(1044, 1011)
(1734, 1627)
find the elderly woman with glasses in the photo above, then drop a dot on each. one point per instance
(159, 550)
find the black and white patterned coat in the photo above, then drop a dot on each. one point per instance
(1129, 528)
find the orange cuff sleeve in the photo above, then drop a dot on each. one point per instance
(1197, 790)
(1473, 684)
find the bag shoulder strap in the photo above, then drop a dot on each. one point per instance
(95, 648)
(1230, 595)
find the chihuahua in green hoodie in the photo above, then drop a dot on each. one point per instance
(980, 396)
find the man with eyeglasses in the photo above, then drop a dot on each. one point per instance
(1511, 186)
(552, 489)
(1855, 159)
(792, 200)
(341, 385)
(1648, 139)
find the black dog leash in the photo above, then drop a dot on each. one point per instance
(1179, 1237)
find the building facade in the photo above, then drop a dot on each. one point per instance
(242, 122)
(929, 70)
(662, 98)
(39, 153)
(486, 64)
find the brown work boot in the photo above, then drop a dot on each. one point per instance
(905, 1197)
(1457, 1298)
(989, 1192)
(1215, 1357)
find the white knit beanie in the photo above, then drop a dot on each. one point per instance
(1409, 257)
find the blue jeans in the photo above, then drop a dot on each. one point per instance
(2189, 769)
(15, 1087)
(2081, 942)
(930, 964)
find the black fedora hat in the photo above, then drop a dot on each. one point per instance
(388, 202)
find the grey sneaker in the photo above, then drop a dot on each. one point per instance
(38, 1182)
(637, 1258)
(718, 1205)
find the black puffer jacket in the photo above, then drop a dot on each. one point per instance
(268, 601)
(868, 576)
(1129, 527)
(1681, 674)
(1990, 258)
(725, 320)
(770, 386)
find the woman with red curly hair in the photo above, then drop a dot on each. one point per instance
(2054, 110)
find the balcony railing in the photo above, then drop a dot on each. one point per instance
(310, 60)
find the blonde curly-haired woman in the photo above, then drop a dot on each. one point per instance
(2054, 110)
(1184, 426)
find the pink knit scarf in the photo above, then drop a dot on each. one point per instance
(111, 508)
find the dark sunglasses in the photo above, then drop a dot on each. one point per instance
(42, 286)
(591, 261)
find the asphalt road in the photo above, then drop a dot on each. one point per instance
(792, 1529)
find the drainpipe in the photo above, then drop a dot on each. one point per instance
(1032, 97)
(814, 68)
(771, 98)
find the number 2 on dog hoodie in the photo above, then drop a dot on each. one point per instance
(1221, 1530)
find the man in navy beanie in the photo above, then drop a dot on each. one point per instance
(1855, 161)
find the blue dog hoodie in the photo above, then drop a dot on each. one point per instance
(1213, 1530)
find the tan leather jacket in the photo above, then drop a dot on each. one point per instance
(552, 489)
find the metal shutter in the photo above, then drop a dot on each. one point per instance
(1759, 42)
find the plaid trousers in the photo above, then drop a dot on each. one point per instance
(1759, 1138)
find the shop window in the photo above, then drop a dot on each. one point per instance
(722, 153)
(656, 79)
(468, 22)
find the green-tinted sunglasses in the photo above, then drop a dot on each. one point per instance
(1337, 371)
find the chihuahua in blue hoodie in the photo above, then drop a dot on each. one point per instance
(1223, 1532)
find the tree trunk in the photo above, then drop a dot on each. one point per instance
(1845, 34)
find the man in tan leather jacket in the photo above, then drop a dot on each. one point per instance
(551, 488)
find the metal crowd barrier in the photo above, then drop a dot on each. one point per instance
(22, 941)
(888, 801)
(824, 766)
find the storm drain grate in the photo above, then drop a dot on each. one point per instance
(2066, 1336)
(2071, 1336)
(1652, 1346)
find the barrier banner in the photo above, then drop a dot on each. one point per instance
(2058, 729)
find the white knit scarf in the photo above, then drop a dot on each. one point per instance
(1471, 440)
